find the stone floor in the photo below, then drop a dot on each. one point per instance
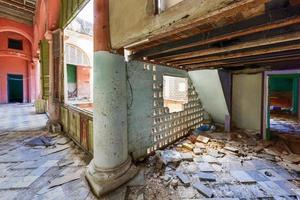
(39, 172)
(285, 123)
(20, 117)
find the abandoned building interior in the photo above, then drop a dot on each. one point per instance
(149, 99)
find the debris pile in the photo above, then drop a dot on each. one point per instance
(227, 165)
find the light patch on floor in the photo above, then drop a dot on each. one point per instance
(20, 117)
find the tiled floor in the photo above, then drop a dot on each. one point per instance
(28, 172)
(20, 117)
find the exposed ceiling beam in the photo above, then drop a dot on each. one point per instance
(254, 62)
(241, 46)
(293, 46)
(247, 60)
(270, 20)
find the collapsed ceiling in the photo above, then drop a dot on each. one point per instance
(268, 36)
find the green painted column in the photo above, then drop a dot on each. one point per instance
(295, 95)
(111, 166)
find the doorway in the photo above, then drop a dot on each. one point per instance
(15, 88)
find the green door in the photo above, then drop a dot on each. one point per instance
(15, 88)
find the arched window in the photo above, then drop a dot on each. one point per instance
(76, 56)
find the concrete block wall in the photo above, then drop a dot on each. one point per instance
(150, 125)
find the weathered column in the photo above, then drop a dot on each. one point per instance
(111, 166)
(53, 107)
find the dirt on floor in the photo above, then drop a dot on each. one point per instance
(237, 165)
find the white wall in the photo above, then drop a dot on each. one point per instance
(208, 86)
(247, 100)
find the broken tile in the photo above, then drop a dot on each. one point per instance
(55, 150)
(169, 156)
(242, 176)
(205, 191)
(232, 149)
(64, 179)
(63, 141)
(200, 145)
(257, 176)
(184, 178)
(205, 167)
(197, 151)
(287, 186)
(206, 176)
(272, 188)
(187, 156)
(215, 153)
(197, 159)
(64, 163)
(203, 139)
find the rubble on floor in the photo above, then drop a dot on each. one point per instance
(235, 165)
(212, 165)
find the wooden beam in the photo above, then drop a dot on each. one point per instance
(270, 20)
(240, 54)
(253, 60)
(234, 11)
(246, 45)
(230, 65)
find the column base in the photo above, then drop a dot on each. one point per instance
(103, 181)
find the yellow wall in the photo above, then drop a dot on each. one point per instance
(247, 100)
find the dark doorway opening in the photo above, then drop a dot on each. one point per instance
(284, 104)
(15, 88)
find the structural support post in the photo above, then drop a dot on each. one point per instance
(53, 107)
(111, 166)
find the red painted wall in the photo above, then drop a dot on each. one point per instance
(83, 81)
(15, 62)
(12, 66)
